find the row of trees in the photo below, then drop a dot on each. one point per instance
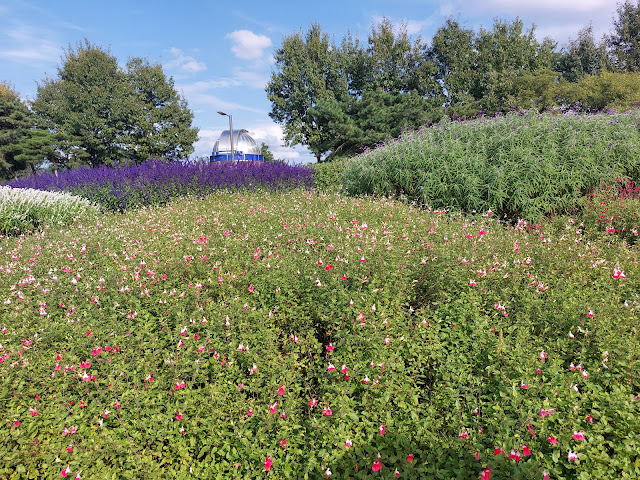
(342, 98)
(94, 112)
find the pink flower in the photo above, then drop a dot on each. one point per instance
(543, 355)
(572, 456)
(66, 471)
(578, 435)
(330, 367)
(410, 458)
(545, 475)
(283, 442)
(348, 443)
(552, 440)
(396, 473)
(327, 411)
(330, 347)
(281, 390)
(327, 472)
(472, 283)
(179, 416)
(526, 451)
(313, 402)
(463, 434)
(181, 430)
(515, 455)
(273, 407)
(523, 385)
(33, 411)
(267, 463)
(486, 474)
(344, 369)
(590, 419)
(476, 455)
(377, 465)
(382, 429)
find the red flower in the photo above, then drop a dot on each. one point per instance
(410, 457)
(526, 451)
(552, 440)
(486, 474)
(267, 463)
(377, 466)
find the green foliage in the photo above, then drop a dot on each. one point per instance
(15, 122)
(624, 41)
(600, 92)
(109, 115)
(522, 165)
(582, 57)
(246, 300)
(327, 175)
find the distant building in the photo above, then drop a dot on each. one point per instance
(245, 148)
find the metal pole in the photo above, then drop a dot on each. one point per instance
(230, 132)
(233, 157)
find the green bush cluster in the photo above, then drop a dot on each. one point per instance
(164, 337)
(327, 175)
(522, 165)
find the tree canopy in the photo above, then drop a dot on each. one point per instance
(108, 114)
(341, 98)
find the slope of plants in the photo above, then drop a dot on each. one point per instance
(522, 165)
(301, 335)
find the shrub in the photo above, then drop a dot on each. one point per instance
(28, 209)
(522, 165)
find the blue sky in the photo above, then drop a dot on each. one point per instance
(219, 53)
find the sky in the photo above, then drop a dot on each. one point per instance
(220, 53)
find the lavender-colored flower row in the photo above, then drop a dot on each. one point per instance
(156, 182)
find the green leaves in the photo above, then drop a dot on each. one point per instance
(108, 115)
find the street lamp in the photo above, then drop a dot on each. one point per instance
(230, 131)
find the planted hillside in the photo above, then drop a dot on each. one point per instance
(300, 335)
(156, 182)
(521, 165)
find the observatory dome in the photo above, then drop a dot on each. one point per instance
(245, 147)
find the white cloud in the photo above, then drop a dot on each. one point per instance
(555, 5)
(248, 45)
(251, 79)
(198, 93)
(27, 44)
(184, 63)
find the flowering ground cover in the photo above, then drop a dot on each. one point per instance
(304, 335)
(156, 182)
(25, 209)
(522, 165)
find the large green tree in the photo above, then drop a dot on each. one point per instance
(107, 114)
(582, 56)
(624, 41)
(15, 122)
(306, 72)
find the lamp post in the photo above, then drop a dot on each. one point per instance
(230, 132)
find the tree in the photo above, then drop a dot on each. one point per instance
(624, 41)
(267, 155)
(306, 72)
(453, 53)
(582, 56)
(15, 122)
(162, 126)
(108, 114)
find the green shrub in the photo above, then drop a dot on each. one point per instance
(327, 175)
(522, 165)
